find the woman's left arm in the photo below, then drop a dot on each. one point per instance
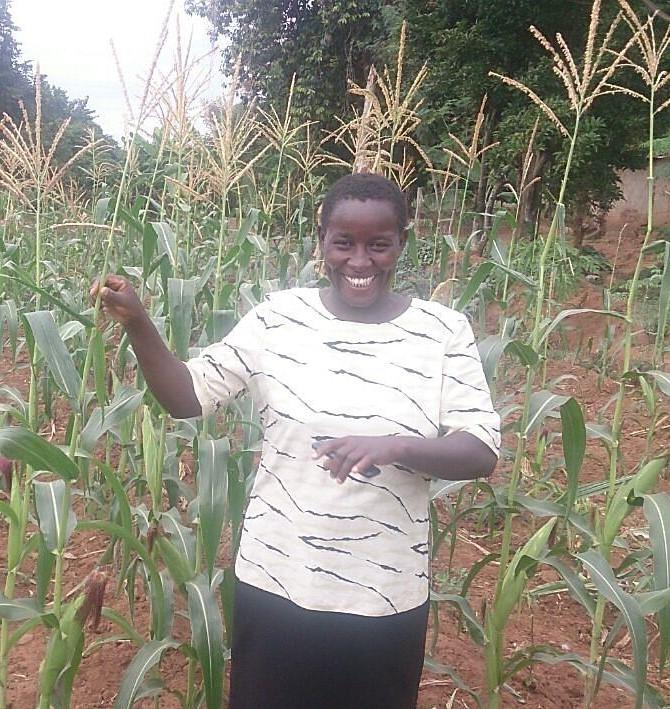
(469, 427)
(459, 456)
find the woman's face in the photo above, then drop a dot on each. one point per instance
(361, 246)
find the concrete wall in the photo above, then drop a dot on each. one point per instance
(632, 209)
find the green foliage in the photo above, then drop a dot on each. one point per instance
(326, 44)
(14, 78)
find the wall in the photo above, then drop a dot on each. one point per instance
(632, 209)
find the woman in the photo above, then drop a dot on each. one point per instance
(364, 395)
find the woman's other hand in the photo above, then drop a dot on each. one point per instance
(119, 300)
(458, 456)
(356, 454)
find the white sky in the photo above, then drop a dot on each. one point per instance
(71, 41)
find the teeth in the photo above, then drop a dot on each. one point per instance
(359, 282)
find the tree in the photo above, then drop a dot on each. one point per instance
(325, 43)
(17, 86)
(14, 82)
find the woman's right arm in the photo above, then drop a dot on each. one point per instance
(167, 376)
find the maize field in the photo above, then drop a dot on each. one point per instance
(119, 526)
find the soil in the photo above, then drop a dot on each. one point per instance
(553, 619)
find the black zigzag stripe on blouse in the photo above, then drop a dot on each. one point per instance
(360, 547)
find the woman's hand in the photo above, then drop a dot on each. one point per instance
(168, 378)
(458, 456)
(356, 454)
(119, 300)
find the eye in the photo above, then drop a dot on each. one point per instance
(341, 243)
(379, 245)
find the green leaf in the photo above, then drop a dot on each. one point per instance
(574, 447)
(473, 285)
(56, 520)
(603, 578)
(51, 298)
(43, 570)
(181, 300)
(122, 513)
(653, 601)
(248, 223)
(167, 241)
(56, 355)
(662, 380)
(516, 275)
(619, 674)
(15, 396)
(524, 353)
(657, 511)
(125, 402)
(258, 242)
(664, 295)
(178, 565)
(475, 628)
(542, 403)
(442, 488)
(115, 530)
(517, 574)
(24, 445)
(149, 240)
(63, 656)
(577, 311)
(147, 657)
(151, 456)
(123, 623)
(8, 512)
(207, 637)
(601, 431)
(575, 585)
(182, 537)
(9, 314)
(101, 210)
(641, 483)
(547, 508)
(212, 493)
(18, 608)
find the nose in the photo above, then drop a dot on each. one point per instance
(360, 257)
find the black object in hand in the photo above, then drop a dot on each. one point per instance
(370, 472)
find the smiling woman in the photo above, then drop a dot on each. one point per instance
(333, 579)
(362, 235)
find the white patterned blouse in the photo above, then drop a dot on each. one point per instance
(360, 547)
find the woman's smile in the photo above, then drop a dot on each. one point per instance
(360, 281)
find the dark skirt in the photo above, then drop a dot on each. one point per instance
(286, 657)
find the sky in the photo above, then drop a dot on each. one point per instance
(71, 41)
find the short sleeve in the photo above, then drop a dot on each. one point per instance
(466, 399)
(222, 370)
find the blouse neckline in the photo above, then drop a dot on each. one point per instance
(319, 304)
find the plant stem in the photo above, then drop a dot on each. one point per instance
(617, 419)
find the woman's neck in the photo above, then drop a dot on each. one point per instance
(387, 308)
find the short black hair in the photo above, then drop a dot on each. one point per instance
(363, 186)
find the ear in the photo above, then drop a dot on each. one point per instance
(320, 233)
(403, 239)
